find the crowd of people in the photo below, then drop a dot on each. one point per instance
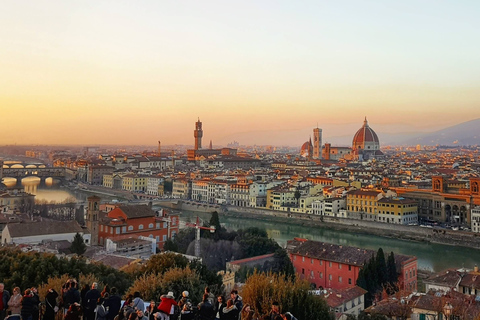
(89, 303)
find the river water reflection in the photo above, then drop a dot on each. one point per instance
(47, 191)
(434, 257)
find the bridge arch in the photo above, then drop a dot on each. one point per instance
(17, 166)
(10, 181)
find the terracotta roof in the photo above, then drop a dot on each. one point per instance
(364, 134)
(113, 261)
(364, 193)
(336, 298)
(332, 252)
(448, 278)
(43, 228)
(471, 280)
(137, 211)
(397, 201)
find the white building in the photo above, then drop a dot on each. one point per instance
(36, 232)
(152, 185)
(475, 217)
(332, 206)
(343, 302)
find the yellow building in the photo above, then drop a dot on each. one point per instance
(362, 204)
(135, 183)
(397, 211)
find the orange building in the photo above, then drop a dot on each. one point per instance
(447, 201)
(133, 221)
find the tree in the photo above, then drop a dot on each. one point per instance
(392, 275)
(381, 267)
(170, 245)
(162, 262)
(297, 195)
(261, 289)
(78, 245)
(215, 221)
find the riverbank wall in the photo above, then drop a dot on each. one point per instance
(396, 231)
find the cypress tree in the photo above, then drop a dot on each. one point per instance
(392, 275)
(381, 268)
(78, 245)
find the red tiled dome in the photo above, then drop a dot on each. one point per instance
(365, 135)
(307, 149)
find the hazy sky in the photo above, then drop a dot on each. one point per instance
(128, 72)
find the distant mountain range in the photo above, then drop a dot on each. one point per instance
(465, 133)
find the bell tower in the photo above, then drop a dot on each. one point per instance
(92, 218)
(438, 184)
(317, 143)
(198, 134)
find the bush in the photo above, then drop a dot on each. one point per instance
(262, 289)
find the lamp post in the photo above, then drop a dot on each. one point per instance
(447, 310)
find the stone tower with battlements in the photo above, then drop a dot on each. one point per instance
(198, 134)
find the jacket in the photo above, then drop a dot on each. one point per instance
(28, 306)
(230, 313)
(166, 304)
(206, 311)
(15, 303)
(100, 313)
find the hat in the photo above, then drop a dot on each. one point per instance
(170, 294)
(185, 294)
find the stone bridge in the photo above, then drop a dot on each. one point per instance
(22, 170)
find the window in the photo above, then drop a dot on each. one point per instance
(101, 227)
(340, 279)
(124, 229)
(158, 225)
(164, 237)
(312, 275)
(321, 262)
(150, 236)
(165, 225)
(117, 231)
(303, 270)
(320, 275)
(339, 266)
(330, 264)
(349, 268)
(303, 259)
(140, 227)
(150, 226)
(311, 261)
(157, 238)
(130, 228)
(111, 230)
(349, 280)
(329, 277)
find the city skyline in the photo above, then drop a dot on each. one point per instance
(124, 73)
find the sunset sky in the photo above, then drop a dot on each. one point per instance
(134, 72)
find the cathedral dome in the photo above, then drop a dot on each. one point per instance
(365, 139)
(307, 149)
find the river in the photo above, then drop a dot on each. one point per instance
(433, 257)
